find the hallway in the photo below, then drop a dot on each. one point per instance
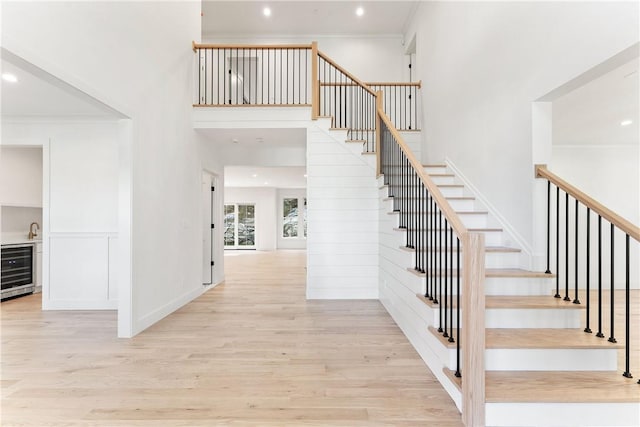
(251, 352)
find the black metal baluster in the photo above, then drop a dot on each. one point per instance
(446, 275)
(451, 284)
(548, 226)
(599, 334)
(575, 299)
(566, 248)
(200, 77)
(587, 329)
(439, 271)
(627, 314)
(458, 310)
(557, 295)
(269, 77)
(612, 318)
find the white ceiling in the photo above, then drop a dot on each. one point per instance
(39, 94)
(592, 113)
(303, 17)
(280, 177)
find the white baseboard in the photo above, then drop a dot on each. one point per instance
(79, 305)
(363, 293)
(147, 320)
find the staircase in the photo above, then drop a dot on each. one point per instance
(541, 368)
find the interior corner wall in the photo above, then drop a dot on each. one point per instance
(147, 74)
(482, 64)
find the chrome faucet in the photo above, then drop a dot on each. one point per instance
(32, 233)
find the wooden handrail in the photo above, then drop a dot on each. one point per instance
(416, 84)
(379, 107)
(346, 73)
(623, 224)
(406, 84)
(315, 89)
(249, 46)
(445, 207)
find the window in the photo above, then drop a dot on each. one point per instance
(290, 217)
(293, 224)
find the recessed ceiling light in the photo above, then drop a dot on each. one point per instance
(11, 78)
(266, 183)
(255, 175)
(305, 175)
(234, 140)
(359, 11)
(626, 122)
(266, 11)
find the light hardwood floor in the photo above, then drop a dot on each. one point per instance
(251, 352)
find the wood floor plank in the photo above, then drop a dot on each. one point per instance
(251, 352)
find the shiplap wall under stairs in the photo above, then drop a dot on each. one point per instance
(542, 370)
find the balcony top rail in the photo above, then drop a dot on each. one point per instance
(623, 224)
(197, 46)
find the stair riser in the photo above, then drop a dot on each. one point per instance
(443, 180)
(512, 318)
(462, 205)
(469, 221)
(491, 238)
(452, 191)
(533, 318)
(507, 287)
(492, 259)
(437, 170)
(541, 359)
(510, 286)
(551, 359)
(562, 414)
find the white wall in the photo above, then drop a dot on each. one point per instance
(16, 220)
(482, 64)
(369, 58)
(265, 201)
(21, 176)
(147, 74)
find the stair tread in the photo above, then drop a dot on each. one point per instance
(536, 301)
(537, 338)
(516, 302)
(349, 141)
(434, 166)
(564, 387)
(545, 339)
(501, 272)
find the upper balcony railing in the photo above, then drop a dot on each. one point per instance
(300, 75)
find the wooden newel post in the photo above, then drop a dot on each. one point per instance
(473, 332)
(379, 105)
(315, 83)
